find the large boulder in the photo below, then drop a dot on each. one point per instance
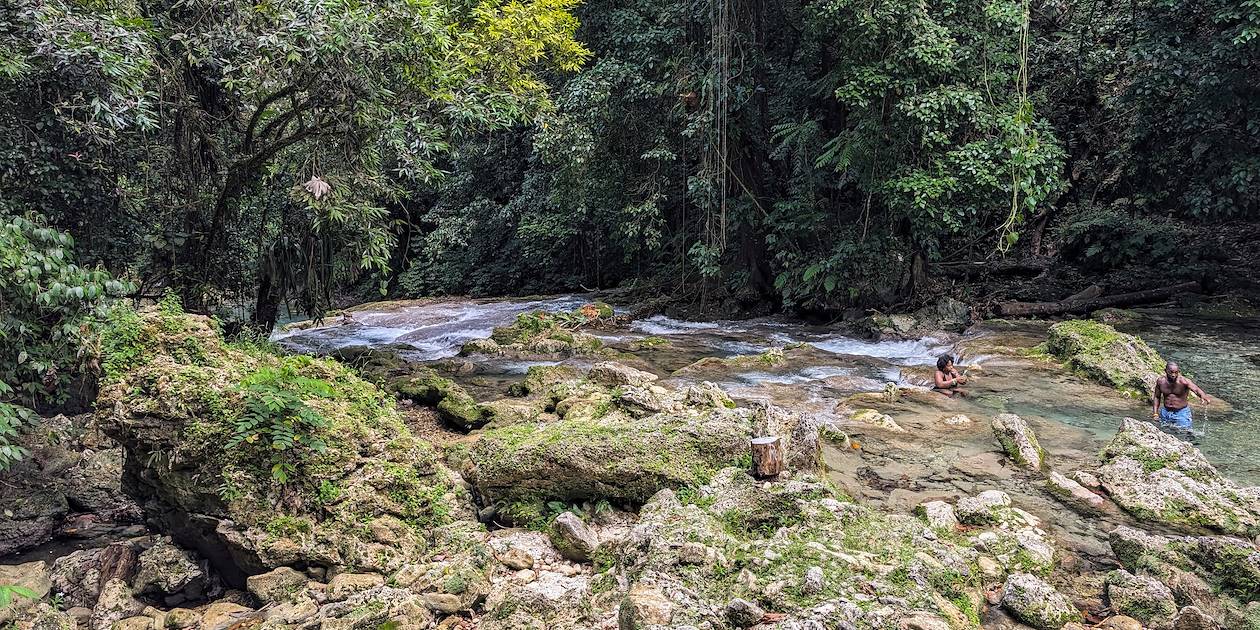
(1216, 574)
(176, 396)
(613, 456)
(1018, 440)
(1105, 355)
(1158, 477)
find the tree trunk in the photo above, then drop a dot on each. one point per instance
(1028, 309)
(267, 299)
(767, 456)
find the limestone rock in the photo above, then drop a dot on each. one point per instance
(1121, 622)
(923, 621)
(1036, 603)
(611, 374)
(178, 618)
(346, 584)
(43, 616)
(443, 602)
(814, 581)
(1018, 440)
(1158, 477)
(373, 465)
(77, 577)
(1141, 597)
(1073, 493)
(743, 613)
(644, 606)
(982, 509)
(939, 515)
(220, 615)
(517, 559)
(573, 537)
(114, 604)
(616, 458)
(551, 601)
(33, 576)
(1191, 618)
(276, 585)
(1106, 355)
(166, 570)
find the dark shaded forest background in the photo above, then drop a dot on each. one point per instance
(739, 155)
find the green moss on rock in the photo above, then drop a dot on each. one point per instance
(611, 457)
(1107, 356)
(177, 413)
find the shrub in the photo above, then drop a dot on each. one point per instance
(48, 305)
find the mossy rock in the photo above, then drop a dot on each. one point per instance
(454, 405)
(248, 505)
(610, 457)
(1107, 356)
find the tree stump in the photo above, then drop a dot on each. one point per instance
(119, 560)
(767, 457)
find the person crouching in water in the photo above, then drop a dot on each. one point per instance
(1171, 401)
(947, 377)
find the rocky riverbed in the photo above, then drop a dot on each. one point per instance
(484, 464)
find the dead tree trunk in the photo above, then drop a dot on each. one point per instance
(1087, 305)
(767, 456)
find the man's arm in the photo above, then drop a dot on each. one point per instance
(1155, 400)
(1207, 400)
(942, 380)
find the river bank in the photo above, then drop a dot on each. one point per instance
(531, 422)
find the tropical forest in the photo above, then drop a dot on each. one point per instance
(629, 315)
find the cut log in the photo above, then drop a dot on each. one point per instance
(1082, 306)
(767, 457)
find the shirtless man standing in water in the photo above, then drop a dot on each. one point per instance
(1172, 389)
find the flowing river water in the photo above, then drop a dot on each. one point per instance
(932, 459)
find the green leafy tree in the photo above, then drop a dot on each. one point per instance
(256, 145)
(47, 306)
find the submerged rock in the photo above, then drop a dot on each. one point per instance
(1105, 355)
(1158, 477)
(873, 418)
(1018, 440)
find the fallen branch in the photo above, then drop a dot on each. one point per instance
(1023, 267)
(1082, 302)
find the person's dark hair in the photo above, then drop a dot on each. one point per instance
(944, 361)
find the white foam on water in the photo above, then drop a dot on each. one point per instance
(909, 352)
(662, 325)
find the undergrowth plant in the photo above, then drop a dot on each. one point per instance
(277, 416)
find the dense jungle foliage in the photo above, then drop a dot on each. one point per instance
(819, 154)
(815, 155)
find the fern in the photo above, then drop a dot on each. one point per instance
(276, 414)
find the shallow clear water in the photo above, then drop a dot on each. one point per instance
(1072, 415)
